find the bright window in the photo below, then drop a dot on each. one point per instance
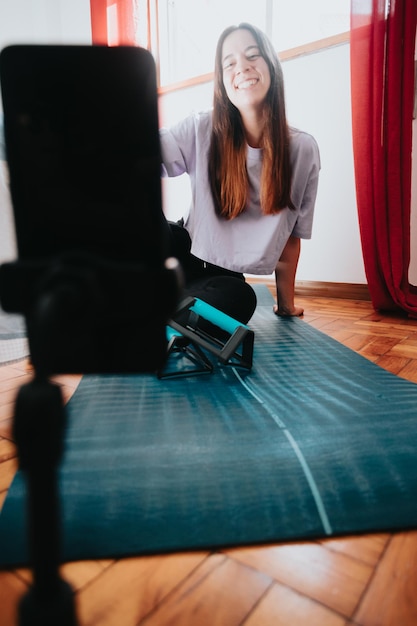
(298, 22)
(187, 30)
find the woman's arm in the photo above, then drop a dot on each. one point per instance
(285, 279)
(306, 168)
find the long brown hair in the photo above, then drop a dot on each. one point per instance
(227, 155)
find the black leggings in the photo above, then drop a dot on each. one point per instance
(227, 291)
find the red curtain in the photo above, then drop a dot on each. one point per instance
(382, 82)
(113, 22)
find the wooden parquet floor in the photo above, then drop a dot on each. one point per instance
(364, 581)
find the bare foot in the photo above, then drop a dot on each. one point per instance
(297, 311)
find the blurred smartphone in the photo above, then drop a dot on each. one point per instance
(82, 146)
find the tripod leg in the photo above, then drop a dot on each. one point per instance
(39, 425)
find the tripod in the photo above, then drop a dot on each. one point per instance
(39, 425)
(92, 277)
(56, 309)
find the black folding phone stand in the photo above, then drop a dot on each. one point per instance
(198, 328)
(93, 279)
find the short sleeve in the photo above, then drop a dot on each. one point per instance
(306, 168)
(178, 147)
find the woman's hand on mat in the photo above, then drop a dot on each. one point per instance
(296, 311)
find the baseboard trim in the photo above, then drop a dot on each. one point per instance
(318, 289)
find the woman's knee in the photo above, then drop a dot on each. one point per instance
(232, 296)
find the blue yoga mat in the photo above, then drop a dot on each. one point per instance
(315, 441)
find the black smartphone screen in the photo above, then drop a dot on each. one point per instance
(82, 145)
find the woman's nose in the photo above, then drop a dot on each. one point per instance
(242, 64)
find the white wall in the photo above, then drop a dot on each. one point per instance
(44, 21)
(318, 101)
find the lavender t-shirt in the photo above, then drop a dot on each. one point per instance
(252, 242)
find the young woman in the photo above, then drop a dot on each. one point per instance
(253, 178)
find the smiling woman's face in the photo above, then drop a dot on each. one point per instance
(246, 76)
